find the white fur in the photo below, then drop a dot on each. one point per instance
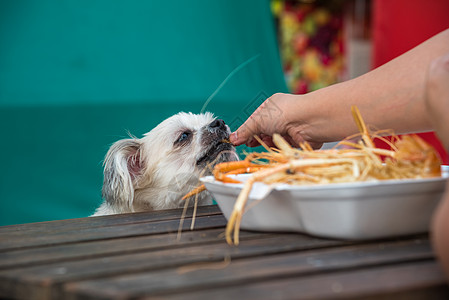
(156, 171)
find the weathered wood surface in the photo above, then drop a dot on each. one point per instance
(141, 256)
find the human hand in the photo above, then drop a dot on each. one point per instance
(284, 114)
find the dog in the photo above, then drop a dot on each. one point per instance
(157, 170)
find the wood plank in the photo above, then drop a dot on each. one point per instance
(98, 233)
(410, 281)
(45, 279)
(250, 270)
(102, 248)
(101, 221)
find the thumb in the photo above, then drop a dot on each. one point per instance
(262, 120)
(244, 133)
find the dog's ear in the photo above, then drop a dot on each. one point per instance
(122, 167)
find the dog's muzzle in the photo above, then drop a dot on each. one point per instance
(217, 145)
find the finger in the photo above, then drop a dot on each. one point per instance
(245, 132)
(290, 140)
(252, 142)
(254, 125)
(242, 135)
(316, 145)
(296, 139)
(268, 140)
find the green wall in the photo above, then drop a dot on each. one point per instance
(75, 76)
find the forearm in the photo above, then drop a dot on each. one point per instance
(389, 97)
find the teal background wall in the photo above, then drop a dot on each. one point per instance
(77, 75)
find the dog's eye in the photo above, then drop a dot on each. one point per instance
(184, 136)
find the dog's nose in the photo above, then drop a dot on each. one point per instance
(217, 123)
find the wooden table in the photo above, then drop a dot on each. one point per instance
(139, 256)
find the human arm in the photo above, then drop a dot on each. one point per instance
(437, 104)
(389, 97)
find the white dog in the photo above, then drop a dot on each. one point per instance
(156, 171)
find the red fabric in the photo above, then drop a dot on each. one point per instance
(400, 25)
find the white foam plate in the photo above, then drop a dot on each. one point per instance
(359, 210)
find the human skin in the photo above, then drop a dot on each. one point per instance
(437, 103)
(389, 97)
(407, 94)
